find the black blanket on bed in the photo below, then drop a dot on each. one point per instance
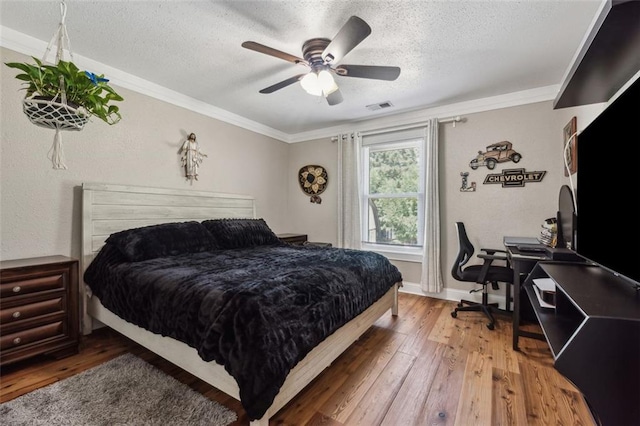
(256, 311)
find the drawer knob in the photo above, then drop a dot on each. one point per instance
(17, 289)
(17, 341)
(16, 314)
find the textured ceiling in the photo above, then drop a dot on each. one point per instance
(449, 51)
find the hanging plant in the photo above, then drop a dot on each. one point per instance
(88, 93)
(62, 97)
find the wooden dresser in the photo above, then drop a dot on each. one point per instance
(39, 308)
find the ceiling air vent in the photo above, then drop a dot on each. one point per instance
(381, 105)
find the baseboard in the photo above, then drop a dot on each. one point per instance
(453, 294)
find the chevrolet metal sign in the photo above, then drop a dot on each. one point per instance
(514, 177)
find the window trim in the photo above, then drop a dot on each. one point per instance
(394, 251)
(397, 252)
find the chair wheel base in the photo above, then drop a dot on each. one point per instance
(486, 309)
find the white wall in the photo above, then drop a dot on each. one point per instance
(40, 207)
(536, 131)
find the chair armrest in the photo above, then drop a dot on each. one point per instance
(488, 260)
(491, 257)
(492, 251)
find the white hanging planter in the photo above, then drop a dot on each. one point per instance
(51, 114)
(55, 110)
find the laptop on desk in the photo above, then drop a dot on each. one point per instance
(515, 241)
(531, 248)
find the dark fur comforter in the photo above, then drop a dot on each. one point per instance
(256, 311)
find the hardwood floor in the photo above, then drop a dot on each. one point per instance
(421, 368)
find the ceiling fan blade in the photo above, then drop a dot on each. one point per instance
(335, 97)
(282, 84)
(252, 45)
(349, 36)
(368, 71)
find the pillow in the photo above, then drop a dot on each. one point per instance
(166, 239)
(241, 233)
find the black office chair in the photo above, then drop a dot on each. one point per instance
(484, 274)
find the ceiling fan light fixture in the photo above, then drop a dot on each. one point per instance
(311, 85)
(327, 83)
(330, 90)
(325, 79)
(319, 84)
(320, 55)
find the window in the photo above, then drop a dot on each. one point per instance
(393, 192)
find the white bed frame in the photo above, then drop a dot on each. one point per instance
(111, 208)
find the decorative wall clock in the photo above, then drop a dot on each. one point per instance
(313, 181)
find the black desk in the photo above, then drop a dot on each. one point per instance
(594, 335)
(522, 264)
(593, 331)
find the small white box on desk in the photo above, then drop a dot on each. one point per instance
(545, 289)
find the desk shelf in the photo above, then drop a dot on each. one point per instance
(557, 329)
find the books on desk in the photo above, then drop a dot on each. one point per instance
(545, 289)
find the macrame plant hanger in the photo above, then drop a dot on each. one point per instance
(56, 113)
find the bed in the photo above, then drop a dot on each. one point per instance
(111, 212)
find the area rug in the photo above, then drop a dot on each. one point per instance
(123, 391)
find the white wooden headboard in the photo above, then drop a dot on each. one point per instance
(111, 208)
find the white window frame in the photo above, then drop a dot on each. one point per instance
(395, 252)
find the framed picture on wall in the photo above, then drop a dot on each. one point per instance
(570, 147)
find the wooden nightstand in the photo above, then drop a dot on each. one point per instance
(39, 308)
(296, 239)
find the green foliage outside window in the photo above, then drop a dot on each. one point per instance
(394, 172)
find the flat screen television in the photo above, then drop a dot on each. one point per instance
(608, 187)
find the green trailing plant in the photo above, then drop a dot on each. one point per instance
(82, 88)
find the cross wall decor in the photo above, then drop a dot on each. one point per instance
(514, 177)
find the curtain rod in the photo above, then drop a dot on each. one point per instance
(454, 120)
(394, 128)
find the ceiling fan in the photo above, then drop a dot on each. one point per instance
(321, 56)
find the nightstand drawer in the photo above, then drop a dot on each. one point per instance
(31, 310)
(33, 285)
(22, 338)
(39, 308)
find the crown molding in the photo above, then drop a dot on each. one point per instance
(31, 46)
